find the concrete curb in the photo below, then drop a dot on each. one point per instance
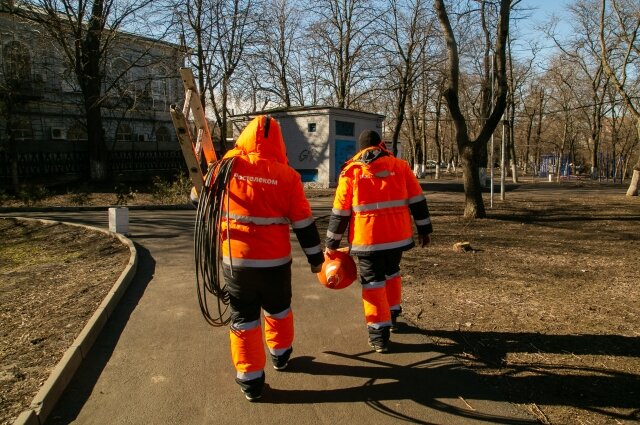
(6, 210)
(51, 391)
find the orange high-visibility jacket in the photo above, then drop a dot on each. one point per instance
(375, 198)
(266, 196)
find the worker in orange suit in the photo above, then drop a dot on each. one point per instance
(266, 197)
(376, 196)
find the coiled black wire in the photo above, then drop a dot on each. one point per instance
(208, 253)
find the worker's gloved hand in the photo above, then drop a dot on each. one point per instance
(330, 252)
(423, 240)
(316, 269)
(194, 197)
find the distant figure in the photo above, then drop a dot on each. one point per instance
(375, 198)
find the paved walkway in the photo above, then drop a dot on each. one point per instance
(158, 362)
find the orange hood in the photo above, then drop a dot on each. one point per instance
(262, 137)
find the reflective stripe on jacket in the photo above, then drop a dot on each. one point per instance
(266, 196)
(375, 198)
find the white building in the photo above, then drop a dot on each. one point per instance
(318, 139)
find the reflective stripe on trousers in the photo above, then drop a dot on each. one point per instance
(247, 351)
(278, 331)
(376, 306)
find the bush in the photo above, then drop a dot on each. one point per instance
(124, 194)
(171, 192)
(30, 194)
(80, 196)
(4, 197)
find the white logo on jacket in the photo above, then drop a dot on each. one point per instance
(256, 179)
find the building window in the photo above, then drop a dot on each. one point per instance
(163, 135)
(311, 127)
(21, 130)
(123, 134)
(77, 132)
(17, 61)
(120, 78)
(69, 81)
(344, 128)
(159, 90)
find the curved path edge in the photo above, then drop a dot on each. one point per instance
(51, 391)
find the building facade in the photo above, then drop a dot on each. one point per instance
(318, 139)
(42, 119)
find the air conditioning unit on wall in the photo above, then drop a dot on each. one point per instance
(58, 133)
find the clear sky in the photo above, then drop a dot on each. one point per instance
(539, 13)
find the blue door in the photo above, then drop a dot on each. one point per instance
(345, 149)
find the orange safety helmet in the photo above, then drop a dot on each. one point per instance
(338, 270)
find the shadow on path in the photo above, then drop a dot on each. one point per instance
(387, 381)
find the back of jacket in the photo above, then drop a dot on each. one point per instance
(375, 191)
(266, 196)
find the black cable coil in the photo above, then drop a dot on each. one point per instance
(208, 253)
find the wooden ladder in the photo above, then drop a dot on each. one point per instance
(193, 148)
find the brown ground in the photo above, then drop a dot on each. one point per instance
(546, 305)
(52, 279)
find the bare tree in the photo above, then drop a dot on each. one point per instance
(517, 75)
(343, 41)
(583, 49)
(195, 20)
(620, 52)
(14, 92)
(468, 148)
(235, 26)
(406, 33)
(561, 132)
(532, 98)
(87, 32)
(274, 60)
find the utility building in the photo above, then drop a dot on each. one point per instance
(318, 139)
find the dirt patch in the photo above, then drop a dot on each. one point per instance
(548, 305)
(52, 279)
(545, 305)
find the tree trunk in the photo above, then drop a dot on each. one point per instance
(473, 206)
(98, 154)
(436, 136)
(91, 83)
(400, 107)
(633, 187)
(470, 151)
(12, 146)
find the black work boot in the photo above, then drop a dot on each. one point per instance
(394, 320)
(282, 361)
(379, 338)
(252, 389)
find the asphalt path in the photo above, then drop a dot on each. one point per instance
(158, 362)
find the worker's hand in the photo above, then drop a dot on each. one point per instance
(423, 240)
(330, 252)
(194, 197)
(316, 269)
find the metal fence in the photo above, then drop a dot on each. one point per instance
(54, 165)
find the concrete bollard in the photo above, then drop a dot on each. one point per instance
(119, 220)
